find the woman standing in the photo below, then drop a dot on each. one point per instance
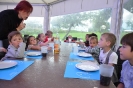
(12, 20)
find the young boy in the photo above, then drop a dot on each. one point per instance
(107, 56)
(126, 53)
(16, 48)
(93, 48)
(106, 42)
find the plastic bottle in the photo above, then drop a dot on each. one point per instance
(57, 44)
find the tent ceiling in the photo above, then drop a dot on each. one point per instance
(31, 1)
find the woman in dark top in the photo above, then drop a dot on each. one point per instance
(12, 20)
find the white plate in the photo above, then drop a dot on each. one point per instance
(33, 53)
(87, 66)
(7, 64)
(81, 48)
(83, 54)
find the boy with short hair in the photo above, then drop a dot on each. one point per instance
(107, 56)
(126, 53)
(106, 42)
(93, 48)
(16, 48)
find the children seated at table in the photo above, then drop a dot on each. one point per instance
(93, 48)
(126, 53)
(69, 39)
(16, 48)
(107, 56)
(31, 44)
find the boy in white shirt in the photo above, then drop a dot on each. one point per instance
(106, 42)
(16, 48)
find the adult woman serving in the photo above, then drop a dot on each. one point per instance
(12, 20)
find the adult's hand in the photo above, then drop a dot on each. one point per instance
(21, 26)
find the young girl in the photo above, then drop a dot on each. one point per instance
(41, 38)
(31, 44)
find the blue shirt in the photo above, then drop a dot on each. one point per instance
(127, 75)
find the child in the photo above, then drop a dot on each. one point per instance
(49, 34)
(16, 48)
(106, 42)
(41, 38)
(31, 44)
(93, 48)
(126, 53)
(69, 39)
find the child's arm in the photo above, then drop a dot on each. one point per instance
(20, 51)
(121, 85)
(35, 47)
(95, 50)
(44, 44)
(2, 49)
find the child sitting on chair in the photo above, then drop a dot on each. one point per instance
(93, 48)
(16, 48)
(31, 44)
(41, 38)
(69, 39)
(126, 53)
(107, 56)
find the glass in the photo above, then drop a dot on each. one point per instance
(44, 51)
(106, 72)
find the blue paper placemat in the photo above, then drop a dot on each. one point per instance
(33, 57)
(73, 72)
(10, 73)
(73, 56)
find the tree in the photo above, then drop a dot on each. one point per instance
(69, 21)
(100, 19)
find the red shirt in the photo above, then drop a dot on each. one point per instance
(46, 39)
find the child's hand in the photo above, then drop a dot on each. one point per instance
(3, 49)
(49, 48)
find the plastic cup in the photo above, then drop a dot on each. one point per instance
(44, 51)
(51, 44)
(106, 72)
(75, 50)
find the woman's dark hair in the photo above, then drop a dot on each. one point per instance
(28, 41)
(127, 40)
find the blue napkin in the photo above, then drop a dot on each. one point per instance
(73, 72)
(10, 73)
(73, 56)
(33, 57)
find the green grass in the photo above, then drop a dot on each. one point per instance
(78, 35)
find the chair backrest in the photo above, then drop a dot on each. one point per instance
(119, 63)
(75, 38)
(25, 38)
